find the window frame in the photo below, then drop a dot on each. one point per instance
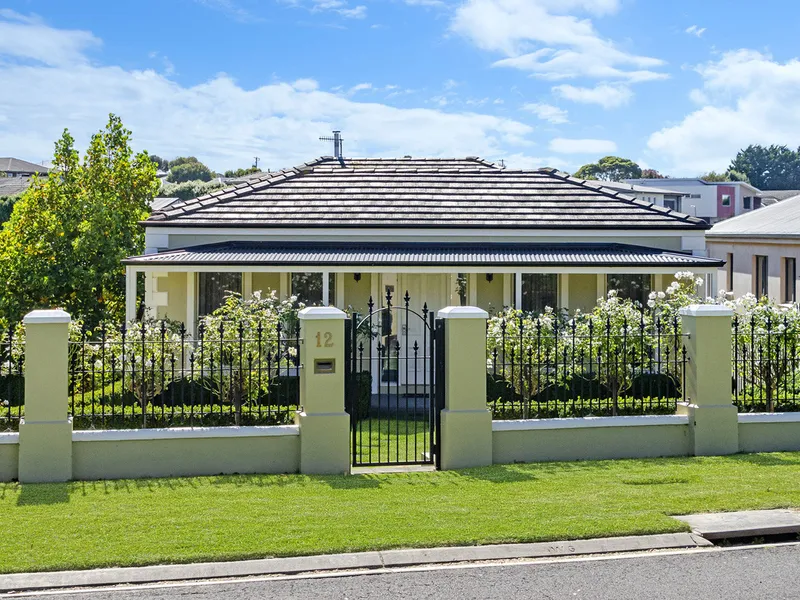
(530, 295)
(761, 276)
(726, 199)
(645, 291)
(729, 271)
(200, 304)
(321, 274)
(789, 272)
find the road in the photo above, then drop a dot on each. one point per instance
(771, 572)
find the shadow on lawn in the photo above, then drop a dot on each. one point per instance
(767, 460)
(32, 494)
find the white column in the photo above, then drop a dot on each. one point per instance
(507, 295)
(191, 302)
(518, 290)
(130, 293)
(659, 282)
(326, 288)
(284, 286)
(472, 288)
(247, 284)
(601, 285)
(563, 291)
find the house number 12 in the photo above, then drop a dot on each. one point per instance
(324, 340)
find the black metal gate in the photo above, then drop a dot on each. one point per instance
(394, 384)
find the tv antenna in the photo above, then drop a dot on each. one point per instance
(337, 144)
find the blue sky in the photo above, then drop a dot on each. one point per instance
(679, 86)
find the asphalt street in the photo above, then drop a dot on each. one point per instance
(771, 572)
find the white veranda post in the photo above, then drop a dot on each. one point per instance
(130, 293)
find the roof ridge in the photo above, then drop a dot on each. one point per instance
(616, 194)
(231, 192)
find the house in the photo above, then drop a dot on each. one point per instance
(14, 167)
(447, 231)
(760, 250)
(659, 196)
(710, 201)
(769, 197)
(12, 186)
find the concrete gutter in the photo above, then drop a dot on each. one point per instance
(336, 562)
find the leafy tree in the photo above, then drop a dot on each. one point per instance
(652, 174)
(191, 171)
(730, 175)
(161, 163)
(182, 160)
(7, 207)
(610, 168)
(68, 234)
(769, 168)
(189, 189)
(242, 172)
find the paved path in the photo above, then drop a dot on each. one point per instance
(767, 572)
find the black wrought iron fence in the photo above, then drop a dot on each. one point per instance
(12, 383)
(543, 367)
(158, 375)
(766, 364)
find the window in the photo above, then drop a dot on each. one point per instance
(633, 287)
(747, 202)
(538, 291)
(695, 196)
(673, 203)
(729, 271)
(308, 288)
(762, 277)
(213, 288)
(726, 199)
(789, 280)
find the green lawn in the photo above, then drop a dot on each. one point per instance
(80, 525)
(396, 440)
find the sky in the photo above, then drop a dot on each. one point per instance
(678, 86)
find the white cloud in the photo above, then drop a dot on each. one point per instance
(547, 112)
(361, 87)
(340, 7)
(695, 30)
(221, 122)
(569, 146)
(746, 98)
(544, 38)
(607, 96)
(28, 38)
(230, 9)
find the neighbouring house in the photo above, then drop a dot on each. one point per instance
(710, 201)
(12, 186)
(672, 199)
(760, 250)
(14, 167)
(461, 231)
(774, 196)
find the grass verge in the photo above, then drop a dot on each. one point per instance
(123, 523)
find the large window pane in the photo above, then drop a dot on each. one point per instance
(539, 290)
(212, 289)
(633, 287)
(308, 288)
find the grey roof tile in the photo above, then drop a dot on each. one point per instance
(464, 193)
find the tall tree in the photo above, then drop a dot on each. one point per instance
(729, 175)
(610, 168)
(68, 234)
(161, 163)
(769, 167)
(190, 171)
(653, 174)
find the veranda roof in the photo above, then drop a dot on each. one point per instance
(419, 193)
(422, 254)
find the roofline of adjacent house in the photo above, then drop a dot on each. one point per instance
(701, 181)
(749, 235)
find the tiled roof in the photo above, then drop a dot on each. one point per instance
(409, 192)
(415, 253)
(15, 165)
(11, 186)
